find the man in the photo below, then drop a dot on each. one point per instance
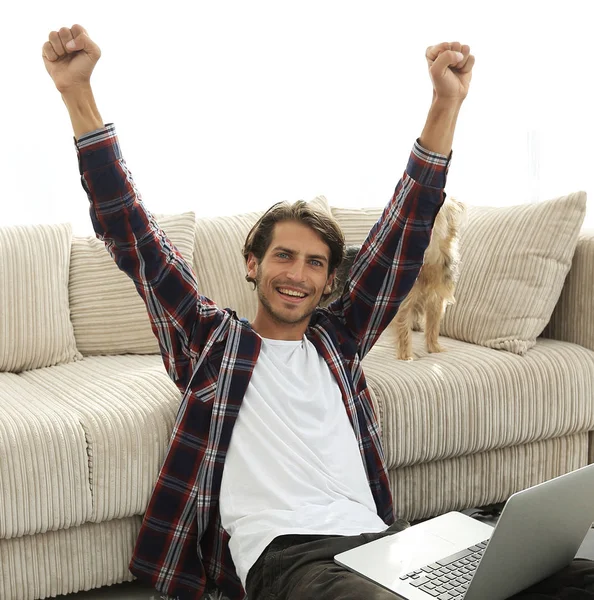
(260, 500)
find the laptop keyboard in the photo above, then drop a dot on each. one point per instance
(448, 579)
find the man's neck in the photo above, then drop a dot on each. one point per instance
(279, 331)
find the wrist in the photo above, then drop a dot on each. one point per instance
(438, 133)
(83, 111)
(452, 105)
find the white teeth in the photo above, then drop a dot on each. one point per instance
(292, 293)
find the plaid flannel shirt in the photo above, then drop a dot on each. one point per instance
(210, 354)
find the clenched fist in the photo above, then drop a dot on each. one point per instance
(450, 68)
(70, 68)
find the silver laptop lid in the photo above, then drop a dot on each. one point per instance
(538, 533)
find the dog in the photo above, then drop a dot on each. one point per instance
(426, 303)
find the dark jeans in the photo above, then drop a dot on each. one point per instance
(302, 567)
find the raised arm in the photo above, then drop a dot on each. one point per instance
(391, 257)
(181, 319)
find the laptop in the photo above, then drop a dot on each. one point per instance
(456, 557)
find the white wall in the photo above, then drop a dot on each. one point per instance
(225, 107)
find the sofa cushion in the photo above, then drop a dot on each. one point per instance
(218, 259)
(434, 488)
(472, 399)
(572, 320)
(71, 560)
(107, 312)
(44, 471)
(356, 223)
(127, 407)
(513, 263)
(35, 327)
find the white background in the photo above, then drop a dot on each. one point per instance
(227, 107)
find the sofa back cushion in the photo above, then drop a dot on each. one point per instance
(219, 264)
(356, 223)
(107, 312)
(572, 320)
(514, 261)
(35, 327)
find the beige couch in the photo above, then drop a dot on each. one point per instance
(86, 406)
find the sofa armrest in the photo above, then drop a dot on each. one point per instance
(573, 317)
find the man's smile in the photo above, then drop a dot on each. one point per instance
(291, 294)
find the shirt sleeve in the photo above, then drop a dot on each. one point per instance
(180, 317)
(391, 257)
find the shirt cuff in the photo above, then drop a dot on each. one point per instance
(427, 167)
(97, 148)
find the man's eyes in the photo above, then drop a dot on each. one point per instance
(313, 260)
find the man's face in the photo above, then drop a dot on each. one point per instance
(296, 263)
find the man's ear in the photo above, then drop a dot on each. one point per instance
(252, 265)
(329, 282)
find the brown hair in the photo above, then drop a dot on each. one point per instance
(260, 237)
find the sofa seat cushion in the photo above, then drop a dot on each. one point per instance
(472, 399)
(44, 471)
(434, 488)
(127, 406)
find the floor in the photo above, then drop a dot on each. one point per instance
(137, 591)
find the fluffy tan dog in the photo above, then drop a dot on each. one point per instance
(434, 288)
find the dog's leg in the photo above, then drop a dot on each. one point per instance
(402, 326)
(433, 314)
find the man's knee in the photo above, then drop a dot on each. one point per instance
(329, 580)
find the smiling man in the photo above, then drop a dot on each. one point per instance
(275, 462)
(292, 266)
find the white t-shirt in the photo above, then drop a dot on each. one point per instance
(293, 464)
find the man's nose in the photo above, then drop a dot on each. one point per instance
(297, 271)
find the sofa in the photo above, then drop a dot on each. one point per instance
(87, 407)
